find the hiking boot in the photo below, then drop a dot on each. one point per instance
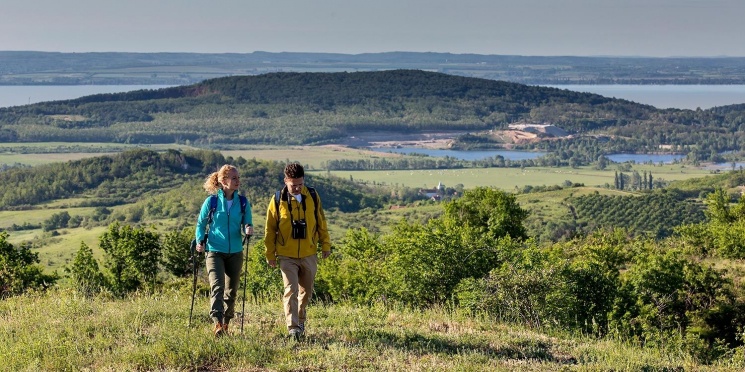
(225, 329)
(219, 330)
(301, 327)
(295, 334)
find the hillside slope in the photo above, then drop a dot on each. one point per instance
(314, 108)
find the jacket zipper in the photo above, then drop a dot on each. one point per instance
(298, 214)
(229, 245)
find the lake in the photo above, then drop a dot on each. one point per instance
(463, 155)
(644, 158)
(668, 96)
(16, 95)
(522, 155)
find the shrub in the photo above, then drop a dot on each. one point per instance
(177, 253)
(19, 271)
(132, 257)
(85, 273)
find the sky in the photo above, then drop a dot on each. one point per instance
(655, 28)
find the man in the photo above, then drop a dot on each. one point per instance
(295, 226)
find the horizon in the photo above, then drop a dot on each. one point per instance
(388, 52)
(582, 28)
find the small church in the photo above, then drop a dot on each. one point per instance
(434, 194)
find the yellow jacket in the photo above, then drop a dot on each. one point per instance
(278, 239)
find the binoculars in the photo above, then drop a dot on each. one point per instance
(299, 229)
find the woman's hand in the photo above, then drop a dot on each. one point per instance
(200, 247)
(249, 230)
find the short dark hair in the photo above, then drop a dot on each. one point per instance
(294, 170)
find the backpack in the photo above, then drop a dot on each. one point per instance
(312, 191)
(213, 208)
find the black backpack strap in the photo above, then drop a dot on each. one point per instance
(315, 204)
(313, 194)
(277, 198)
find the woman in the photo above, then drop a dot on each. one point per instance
(224, 213)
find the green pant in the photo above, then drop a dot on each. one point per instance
(224, 271)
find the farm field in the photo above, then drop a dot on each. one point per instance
(39, 153)
(51, 152)
(57, 249)
(511, 178)
(315, 156)
(311, 156)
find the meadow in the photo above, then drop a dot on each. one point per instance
(512, 178)
(49, 152)
(315, 156)
(148, 332)
(57, 249)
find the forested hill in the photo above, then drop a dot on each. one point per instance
(135, 175)
(327, 107)
(350, 89)
(357, 88)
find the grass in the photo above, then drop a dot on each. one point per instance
(511, 178)
(63, 330)
(38, 153)
(315, 156)
(151, 332)
(56, 251)
(52, 152)
(311, 156)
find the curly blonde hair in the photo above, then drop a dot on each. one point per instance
(212, 183)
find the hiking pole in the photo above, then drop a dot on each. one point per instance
(194, 270)
(246, 239)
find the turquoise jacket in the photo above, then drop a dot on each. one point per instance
(225, 231)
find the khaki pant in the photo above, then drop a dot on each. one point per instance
(298, 275)
(225, 277)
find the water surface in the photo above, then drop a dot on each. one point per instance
(668, 96)
(16, 95)
(463, 155)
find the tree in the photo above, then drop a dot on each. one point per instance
(617, 182)
(602, 162)
(495, 212)
(132, 256)
(718, 206)
(56, 221)
(650, 181)
(176, 253)
(19, 271)
(84, 271)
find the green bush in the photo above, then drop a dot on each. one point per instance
(85, 273)
(262, 280)
(355, 272)
(19, 269)
(132, 256)
(177, 255)
(664, 295)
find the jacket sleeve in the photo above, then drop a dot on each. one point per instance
(202, 220)
(270, 231)
(323, 231)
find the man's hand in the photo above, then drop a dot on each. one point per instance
(200, 247)
(326, 254)
(249, 230)
(272, 263)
